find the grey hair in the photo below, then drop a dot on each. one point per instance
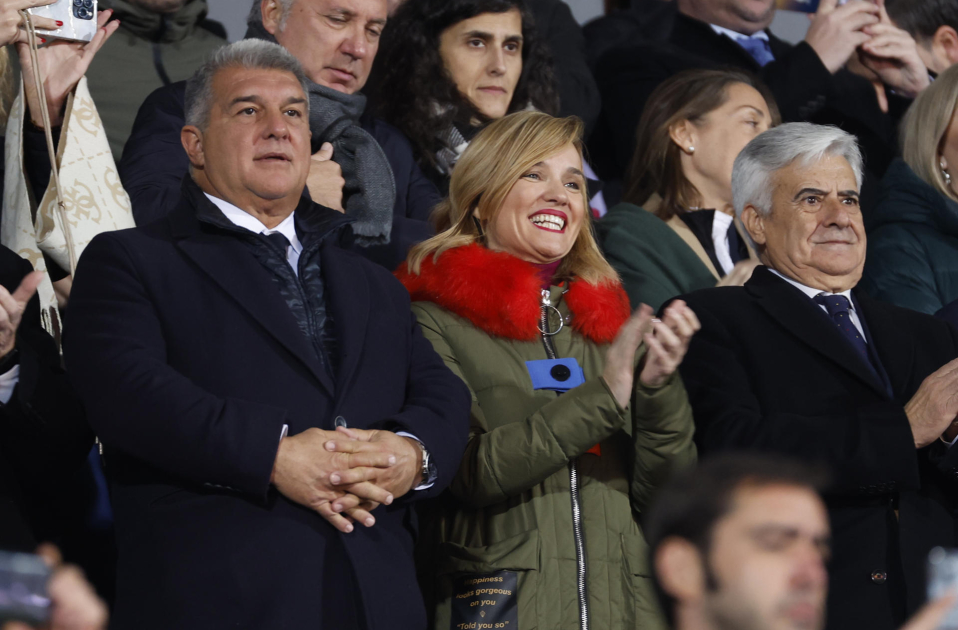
(252, 54)
(255, 16)
(775, 149)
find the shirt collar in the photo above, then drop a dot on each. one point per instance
(245, 220)
(810, 292)
(734, 35)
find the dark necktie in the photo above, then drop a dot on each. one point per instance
(758, 48)
(838, 308)
(278, 241)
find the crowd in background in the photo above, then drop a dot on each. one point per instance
(456, 314)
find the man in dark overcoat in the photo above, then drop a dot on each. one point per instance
(800, 362)
(225, 352)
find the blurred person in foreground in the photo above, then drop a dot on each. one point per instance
(74, 604)
(360, 165)
(456, 65)
(676, 231)
(934, 25)
(219, 350)
(578, 414)
(913, 232)
(799, 362)
(742, 543)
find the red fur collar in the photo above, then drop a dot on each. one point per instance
(501, 294)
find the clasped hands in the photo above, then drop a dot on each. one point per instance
(346, 474)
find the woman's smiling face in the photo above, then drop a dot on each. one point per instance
(541, 217)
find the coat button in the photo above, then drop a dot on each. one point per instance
(340, 422)
(879, 577)
(560, 372)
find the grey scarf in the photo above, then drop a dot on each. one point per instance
(370, 191)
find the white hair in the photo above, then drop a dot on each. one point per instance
(252, 54)
(256, 14)
(769, 152)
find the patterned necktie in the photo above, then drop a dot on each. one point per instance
(758, 48)
(838, 308)
(280, 242)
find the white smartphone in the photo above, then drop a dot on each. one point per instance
(78, 17)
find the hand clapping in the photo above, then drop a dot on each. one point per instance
(668, 342)
(12, 307)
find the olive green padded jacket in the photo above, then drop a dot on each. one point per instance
(510, 506)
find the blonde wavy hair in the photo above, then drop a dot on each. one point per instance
(494, 161)
(924, 128)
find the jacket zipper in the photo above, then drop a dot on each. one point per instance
(573, 481)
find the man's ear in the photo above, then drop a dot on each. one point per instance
(754, 224)
(683, 134)
(272, 14)
(192, 139)
(680, 570)
(945, 41)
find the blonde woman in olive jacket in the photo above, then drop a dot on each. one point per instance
(578, 414)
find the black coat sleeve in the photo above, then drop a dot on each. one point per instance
(436, 410)
(116, 354)
(154, 162)
(44, 437)
(865, 447)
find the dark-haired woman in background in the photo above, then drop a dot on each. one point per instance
(686, 237)
(455, 65)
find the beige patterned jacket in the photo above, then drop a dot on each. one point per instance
(94, 198)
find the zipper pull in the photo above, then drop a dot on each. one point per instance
(546, 298)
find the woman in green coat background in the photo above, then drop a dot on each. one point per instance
(912, 256)
(578, 413)
(676, 231)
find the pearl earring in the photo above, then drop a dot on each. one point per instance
(941, 165)
(691, 150)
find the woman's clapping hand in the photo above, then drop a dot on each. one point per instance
(668, 342)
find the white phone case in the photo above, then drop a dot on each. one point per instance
(78, 17)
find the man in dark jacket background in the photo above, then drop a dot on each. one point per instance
(221, 349)
(372, 175)
(808, 80)
(158, 42)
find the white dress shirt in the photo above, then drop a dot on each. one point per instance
(735, 36)
(811, 293)
(245, 220)
(8, 382)
(720, 225)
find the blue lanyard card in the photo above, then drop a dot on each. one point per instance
(559, 375)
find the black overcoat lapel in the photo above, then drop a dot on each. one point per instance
(802, 318)
(243, 278)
